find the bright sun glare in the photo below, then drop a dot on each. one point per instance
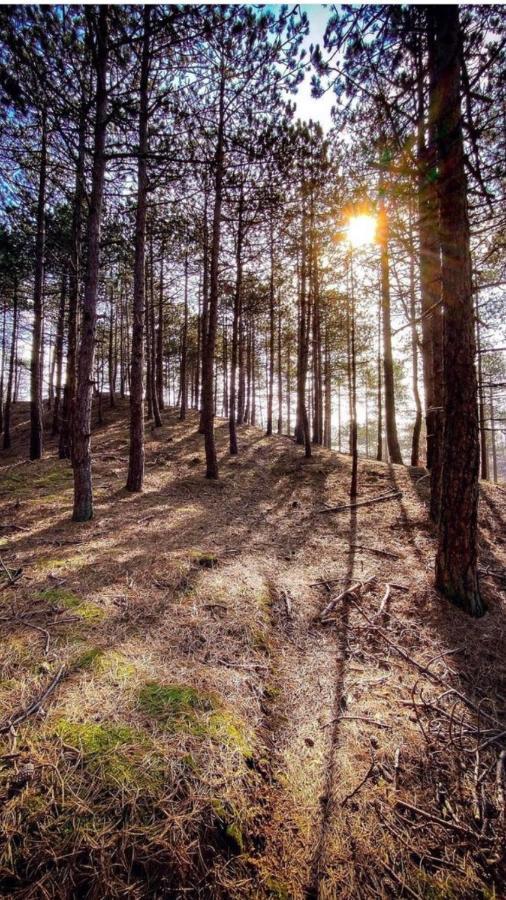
(361, 230)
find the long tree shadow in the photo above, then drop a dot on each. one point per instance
(330, 790)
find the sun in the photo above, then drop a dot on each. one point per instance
(361, 230)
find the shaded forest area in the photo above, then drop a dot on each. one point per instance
(252, 410)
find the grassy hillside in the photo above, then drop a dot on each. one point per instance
(205, 734)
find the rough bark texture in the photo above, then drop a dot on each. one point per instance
(394, 449)
(212, 318)
(10, 378)
(58, 355)
(69, 390)
(81, 444)
(136, 455)
(456, 560)
(36, 416)
(184, 346)
(235, 333)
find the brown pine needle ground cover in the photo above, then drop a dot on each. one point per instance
(177, 721)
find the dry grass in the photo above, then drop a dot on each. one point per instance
(210, 736)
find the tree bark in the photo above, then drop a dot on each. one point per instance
(235, 332)
(81, 444)
(36, 414)
(210, 337)
(184, 346)
(12, 364)
(394, 449)
(58, 354)
(69, 390)
(456, 559)
(135, 476)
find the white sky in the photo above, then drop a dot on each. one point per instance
(307, 106)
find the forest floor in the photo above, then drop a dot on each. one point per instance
(204, 733)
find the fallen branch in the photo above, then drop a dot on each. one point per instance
(380, 499)
(377, 550)
(335, 600)
(361, 783)
(23, 714)
(383, 603)
(446, 823)
(357, 719)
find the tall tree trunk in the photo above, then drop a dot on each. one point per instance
(12, 363)
(353, 387)
(415, 442)
(184, 346)
(327, 431)
(210, 337)
(135, 476)
(205, 301)
(379, 375)
(36, 415)
(394, 449)
(69, 390)
(152, 338)
(481, 395)
(456, 559)
(58, 354)
(2, 369)
(110, 354)
(302, 434)
(280, 372)
(492, 433)
(81, 444)
(270, 383)
(430, 261)
(159, 332)
(235, 330)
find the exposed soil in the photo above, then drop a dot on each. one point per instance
(210, 736)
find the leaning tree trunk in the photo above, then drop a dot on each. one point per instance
(81, 444)
(135, 476)
(456, 559)
(36, 416)
(210, 337)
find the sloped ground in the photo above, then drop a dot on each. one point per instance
(205, 734)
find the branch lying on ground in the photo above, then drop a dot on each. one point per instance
(23, 714)
(380, 499)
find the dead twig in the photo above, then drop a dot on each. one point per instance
(499, 780)
(361, 783)
(23, 714)
(377, 550)
(346, 593)
(357, 719)
(380, 499)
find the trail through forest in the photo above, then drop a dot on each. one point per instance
(210, 735)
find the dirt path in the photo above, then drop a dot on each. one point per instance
(205, 597)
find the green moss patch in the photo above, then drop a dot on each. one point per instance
(181, 707)
(115, 752)
(68, 600)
